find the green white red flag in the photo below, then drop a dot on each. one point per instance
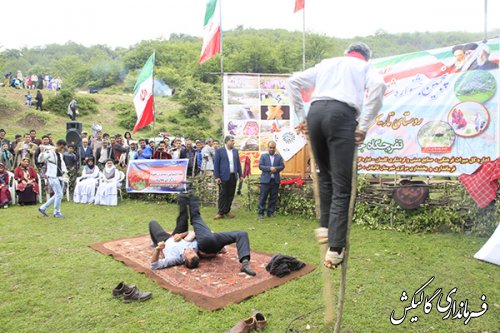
(211, 31)
(143, 95)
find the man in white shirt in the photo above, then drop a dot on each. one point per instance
(337, 121)
(56, 169)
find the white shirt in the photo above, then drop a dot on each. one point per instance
(344, 79)
(49, 156)
(231, 159)
(271, 157)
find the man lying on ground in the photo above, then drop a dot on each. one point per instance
(181, 247)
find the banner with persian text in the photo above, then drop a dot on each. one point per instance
(440, 113)
(256, 111)
(157, 176)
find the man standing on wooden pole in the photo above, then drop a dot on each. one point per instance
(337, 121)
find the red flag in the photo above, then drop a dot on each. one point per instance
(299, 4)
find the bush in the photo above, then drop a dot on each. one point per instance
(59, 103)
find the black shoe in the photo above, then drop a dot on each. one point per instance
(270, 215)
(239, 192)
(194, 205)
(135, 295)
(245, 268)
(121, 288)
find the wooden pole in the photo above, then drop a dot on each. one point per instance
(328, 295)
(352, 204)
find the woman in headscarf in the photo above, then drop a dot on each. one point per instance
(85, 188)
(4, 187)
(27, 183)
(107, 193)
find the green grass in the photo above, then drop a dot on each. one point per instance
(51, 281)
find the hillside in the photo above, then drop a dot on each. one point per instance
(16, 117)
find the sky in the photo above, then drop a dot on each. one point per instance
(126, 22)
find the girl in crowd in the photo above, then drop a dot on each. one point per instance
(27, 183)
(6, 157)
(107, 193)
(85, 188)
(4, 187)
(127, 139)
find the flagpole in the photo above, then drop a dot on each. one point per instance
(153, 92)
(304, 38)
(221, 64)
(485, 20)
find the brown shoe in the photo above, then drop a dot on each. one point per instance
(260, 320)
(218, 216)
(121, 288)
(230, 215)
(243, 326)
(135, 295)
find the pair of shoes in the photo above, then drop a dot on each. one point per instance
(59, 215)
(218, 216)
(321, 235)
(256, 322)
(333, 259)
(245, 268)
(261, 217)
(130, 293)
(230, 215)
(44, 213)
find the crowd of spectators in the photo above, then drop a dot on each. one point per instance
(99, 156)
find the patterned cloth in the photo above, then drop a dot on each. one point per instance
(482, 185)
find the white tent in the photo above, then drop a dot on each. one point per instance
(490, 251)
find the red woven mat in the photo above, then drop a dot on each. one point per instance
(216, 282)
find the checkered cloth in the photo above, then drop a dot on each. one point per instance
(482, 185)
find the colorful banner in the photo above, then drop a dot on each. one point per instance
(157, 176)
(256, 107)
(440, 113)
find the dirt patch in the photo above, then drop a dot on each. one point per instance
(31, 120)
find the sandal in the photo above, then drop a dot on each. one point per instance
(321, 235)
(333, 259)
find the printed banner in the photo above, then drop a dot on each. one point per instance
(440, 113)
(256, 107)
(157, 176)
(289, 142)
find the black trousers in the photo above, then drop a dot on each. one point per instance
(226, 195)
(331, 126)
(158, 234)
(268, 190)
(212, 243)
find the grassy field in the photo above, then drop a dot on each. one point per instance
(53, 282)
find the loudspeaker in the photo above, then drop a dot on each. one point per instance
(73, 133)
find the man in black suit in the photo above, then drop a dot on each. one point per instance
(85, 151)
(103, 153)
(227, 170)
(271, 164)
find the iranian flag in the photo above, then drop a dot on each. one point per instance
(143, 95)
(211, 31)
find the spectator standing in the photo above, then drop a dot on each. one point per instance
(34, 139)
(85, 151)
(208, 154)
(190, 153)
(26, 149)
(104, 153)
(227, 169)
(271, 164)
(144, 152)
(28, 99)
(39, 100)
(161, 152)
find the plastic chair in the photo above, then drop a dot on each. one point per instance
(12, 187)
(120, 181)
(40, 196)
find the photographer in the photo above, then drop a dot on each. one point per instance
(175, 151)
(161, 153)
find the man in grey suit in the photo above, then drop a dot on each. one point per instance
(271, 164)
(227, 170)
